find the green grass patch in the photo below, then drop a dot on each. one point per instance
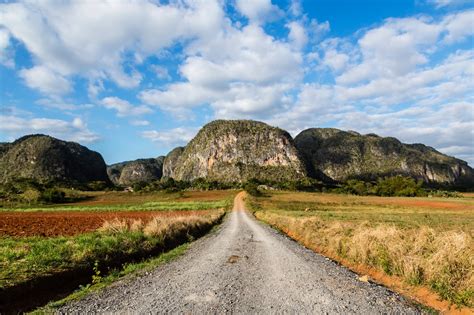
(129, 269)
(147, 206)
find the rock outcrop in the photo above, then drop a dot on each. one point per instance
(131, 172)
(237, 150)
(336, 155)
(44, 158)
(170, 161)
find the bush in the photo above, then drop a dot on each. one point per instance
(399, 186)
(98, 185)
(388, 186)
(251, 187)
(53, 195)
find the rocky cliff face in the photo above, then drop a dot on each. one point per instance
(45, 158)
(170, 161)
(332, 154)
(141, 170)
(237, 150)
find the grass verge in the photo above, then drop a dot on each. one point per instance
(129, 269)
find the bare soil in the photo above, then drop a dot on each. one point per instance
(66, 223)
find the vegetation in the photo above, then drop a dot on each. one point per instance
(23, 259)
(423, 241)
(128, 269)
(171, 185)
(388, 186)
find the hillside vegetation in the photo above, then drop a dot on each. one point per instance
(46, 159)
(336, 155)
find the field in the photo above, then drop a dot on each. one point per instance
(43, 244)
(415, 244)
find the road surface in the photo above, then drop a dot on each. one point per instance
(245, 267)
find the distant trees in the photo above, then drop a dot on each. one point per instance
(387, 186)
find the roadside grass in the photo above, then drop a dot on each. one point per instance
(28, 258)
(417, 239)
(129, 269)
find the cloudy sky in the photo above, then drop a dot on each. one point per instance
(134, 79)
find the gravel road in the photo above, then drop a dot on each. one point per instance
(245, 267)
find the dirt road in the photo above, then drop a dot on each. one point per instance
(246, 267)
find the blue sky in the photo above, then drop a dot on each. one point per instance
(134, 79)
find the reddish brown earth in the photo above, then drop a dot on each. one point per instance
(71, 222)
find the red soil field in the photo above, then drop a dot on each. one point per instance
(68, 223)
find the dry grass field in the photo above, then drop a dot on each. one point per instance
(424, 242)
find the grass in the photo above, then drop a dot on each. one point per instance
(102, 200)
(129, 269)
(24, 259)
(424, 241)
(148, 206)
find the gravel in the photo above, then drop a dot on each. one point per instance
(245, 267)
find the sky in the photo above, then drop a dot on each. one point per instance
(134, 79)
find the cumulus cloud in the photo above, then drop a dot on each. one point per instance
(232, 71)
(297, 35)
(161, 72)
(45, 80)
(446, 3)
(94, 39)
(172, 137)
(140, 123)
(75, 130)
(258, 11)
(5, 54)
(123, 107)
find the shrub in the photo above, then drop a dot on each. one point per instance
(388, 186)
(53, 195)
(251, 187)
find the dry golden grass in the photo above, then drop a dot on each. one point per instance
(398, 240)
(163, 227)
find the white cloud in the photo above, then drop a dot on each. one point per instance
(45, 80)
(123, 107)
(161, 72)
(317, 30)
(458, 26)
(94, 39)
(140, 123)
(296, 8)
(173, 137)
(445, 3)
(5, 54)
(232, 71)
(75, 130)
(401, 46)
(297, 34)
(59, 103)
(258, 11)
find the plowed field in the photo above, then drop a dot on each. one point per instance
(71, 223)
